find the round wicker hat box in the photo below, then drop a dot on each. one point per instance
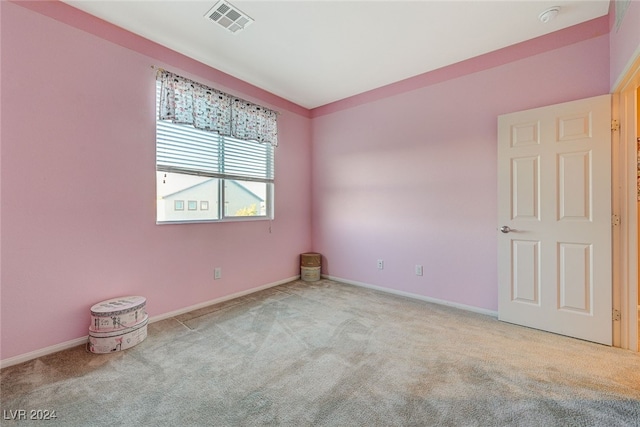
(310, 274)
(310, 266)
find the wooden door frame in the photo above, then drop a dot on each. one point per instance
(624, 194)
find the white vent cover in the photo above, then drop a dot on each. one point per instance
(229, 16)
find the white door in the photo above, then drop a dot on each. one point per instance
(554, 216)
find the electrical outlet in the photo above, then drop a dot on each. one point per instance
(380, 264)
(418, 270)
(217, 273)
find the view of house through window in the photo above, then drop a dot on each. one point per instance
(175, 192)
(182, 197)
(203, 176)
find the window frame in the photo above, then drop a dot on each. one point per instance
(221, 178)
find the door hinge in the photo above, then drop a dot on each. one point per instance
(617, 316)
(615, 125)
(615, 220)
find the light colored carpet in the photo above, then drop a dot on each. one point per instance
(329, 354)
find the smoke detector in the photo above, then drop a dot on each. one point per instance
(228, 16)
(549, 14)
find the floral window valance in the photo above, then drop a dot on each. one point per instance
(188, 102)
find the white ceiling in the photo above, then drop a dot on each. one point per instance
(316, 52)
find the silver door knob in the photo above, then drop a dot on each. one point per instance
(506, 229)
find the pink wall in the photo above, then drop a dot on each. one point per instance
(406, 173)
(78, 185)
(624, 41)
(411, 178)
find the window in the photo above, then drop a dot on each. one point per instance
(227, 178)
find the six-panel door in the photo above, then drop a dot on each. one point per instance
(554, 193)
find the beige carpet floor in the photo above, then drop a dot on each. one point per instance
(329, 354)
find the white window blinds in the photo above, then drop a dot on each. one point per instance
(184, 149)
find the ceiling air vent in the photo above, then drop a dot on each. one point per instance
(229, 16)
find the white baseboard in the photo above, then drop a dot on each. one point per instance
(219, 300)
(83, 340)
(416, 296)
(43, 352)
